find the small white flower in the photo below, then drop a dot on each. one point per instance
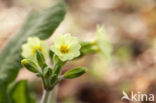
(29, 48)
(66, 47)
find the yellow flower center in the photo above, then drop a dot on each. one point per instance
(35, 48)
(64, 49)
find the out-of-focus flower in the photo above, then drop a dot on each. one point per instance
(66, 47)
(29, 48)
(103, 43)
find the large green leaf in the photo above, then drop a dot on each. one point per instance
(20, 93)
(4, 98)
(37, 24)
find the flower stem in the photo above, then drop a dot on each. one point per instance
(53, 96)
(45, 96)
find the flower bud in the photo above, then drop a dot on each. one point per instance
(74, 73)
(87, 47)
(51, 55)
(30, 65)
(40, 59)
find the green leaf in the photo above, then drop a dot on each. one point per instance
(37, 24)
(74, 73)
(4, 97)
(20, 94)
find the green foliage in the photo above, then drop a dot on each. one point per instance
(74, 73)
(51, 76)
(20, 94)
(4, 97)
(37, 24)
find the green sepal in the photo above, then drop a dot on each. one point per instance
(56, 59)
(51, 55)
(87, 48)
(30, 65)
(40, 59)
(47, 72)
(58, 65)
(53, 81)
(74, 73)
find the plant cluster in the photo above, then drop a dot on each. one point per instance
(65, 48)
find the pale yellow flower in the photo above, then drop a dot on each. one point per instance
(103, 42)
(29, 48)
(66, 47)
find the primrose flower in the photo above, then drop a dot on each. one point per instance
(103, 42)
(66, 47)
(29, 48)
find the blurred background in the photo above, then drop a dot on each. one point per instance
(131, 28)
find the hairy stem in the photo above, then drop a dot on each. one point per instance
(53, 96)
(45, 96)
